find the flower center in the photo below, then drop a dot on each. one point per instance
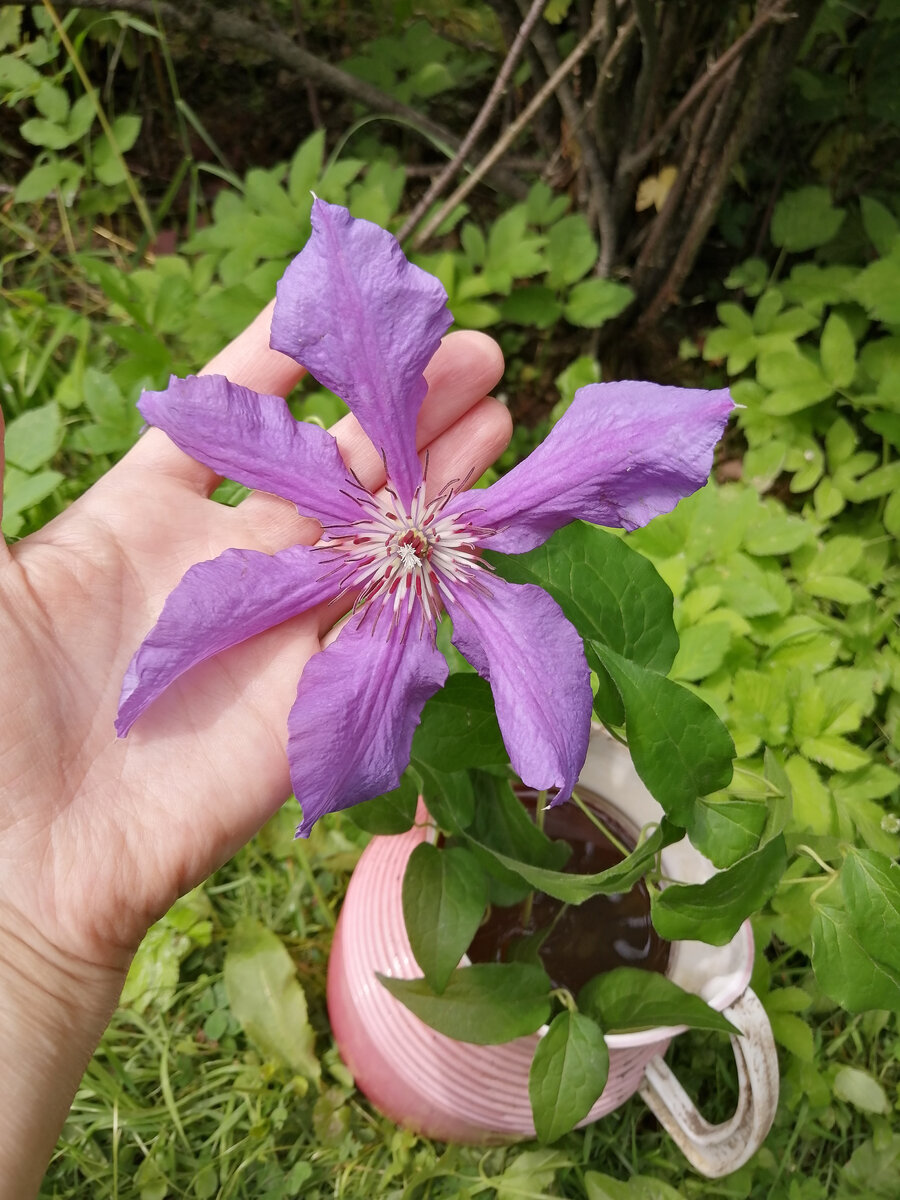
(401, 561)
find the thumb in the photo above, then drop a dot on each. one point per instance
(2, 471)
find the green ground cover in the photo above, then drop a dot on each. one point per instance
(784, 572)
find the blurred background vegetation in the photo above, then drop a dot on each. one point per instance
(680, 191)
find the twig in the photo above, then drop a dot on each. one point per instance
(221, 24)
(510, 134)
(314, 111)
(633, 163)
(600, 206)
(487, 109)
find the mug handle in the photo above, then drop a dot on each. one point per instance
(716, 1150)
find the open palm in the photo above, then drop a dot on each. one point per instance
(99, 835)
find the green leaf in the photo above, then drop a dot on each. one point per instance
(444, 897)
(571, 250)
(714, 911)
(629, 999)
(39, 182)
(845, 967)
(41, 132)
(778, 533)
(394, 812)
(266, 997)
(82, 116)
(574, 889)
(594, 301)
(879, 223)
(858, 1088)
(15, 74)
(793, 380)
(702, 650)
(840, 589)
(33, 438)
(22, 491)
(607, 590)
(835, 752)
(636, 1187)
(532, 305)
(502, 823)
(838, 351)
(459, 727)
(486, 1004)
(679, 747)
(805, 218)
(52, 102)
(568, 1074)
(449, 796)
(877, 288)
(727, 830)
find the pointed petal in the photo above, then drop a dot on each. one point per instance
(622, 454)
(254, 439)
(365, 322)
(518, 639)
(216, 605)
(357, 708)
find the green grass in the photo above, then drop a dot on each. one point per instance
(177, 1102)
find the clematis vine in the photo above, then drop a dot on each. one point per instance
(365, 322)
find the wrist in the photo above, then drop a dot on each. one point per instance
(53, 1010)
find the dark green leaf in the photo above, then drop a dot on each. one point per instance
(574, 889)
(607, 590)
(459, 727)
(844, 966)
(856, 950)
(568, 1073)
(448, 795)
(879, 223)
(727, 830)
(486, 1004)
(444, 897)
(805, 218)
(714, 911)
(266, 997)
(502, 822)
(394, 812)
(628, 998)
(679, 747)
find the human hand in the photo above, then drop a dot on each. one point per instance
(97, 835)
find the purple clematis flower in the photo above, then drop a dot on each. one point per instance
(365, 322)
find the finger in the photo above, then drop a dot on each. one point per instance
(247, 360)
(465, 368)
(4, 549)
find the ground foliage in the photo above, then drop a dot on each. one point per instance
(785, 580)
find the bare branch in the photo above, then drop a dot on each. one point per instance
(522, 120)
(634, 162)
(487, 109)
(600, 207)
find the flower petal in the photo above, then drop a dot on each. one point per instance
(216, 605)
(254, 439)
(518, 639)
(365, 322)
(622, 454)
(357, 708)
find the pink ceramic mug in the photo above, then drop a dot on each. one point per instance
(456, 1091)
